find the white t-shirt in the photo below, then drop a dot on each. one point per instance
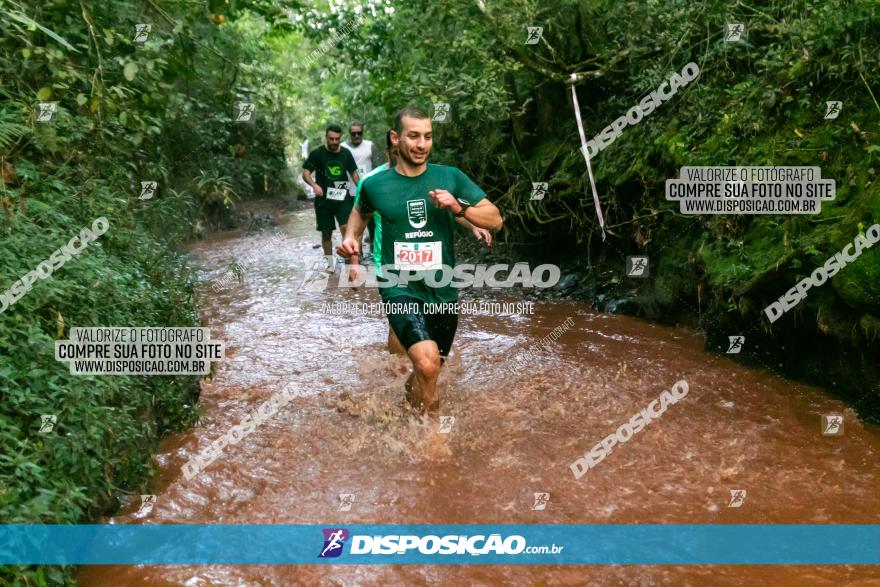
(363, 158)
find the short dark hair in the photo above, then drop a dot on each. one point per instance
(356, 123)
(333, 128)
(410, 111)
(388, 143)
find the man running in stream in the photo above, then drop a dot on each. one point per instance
(415, 205)
(333, 204)
(481, 234)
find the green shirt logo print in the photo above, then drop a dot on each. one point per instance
(417, 213)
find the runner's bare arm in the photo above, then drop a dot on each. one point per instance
(354, 230)
(483, 214)
(307, 177)
(481, 234)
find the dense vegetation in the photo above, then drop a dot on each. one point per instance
(760, 101)
(126, 112)
(163, 110)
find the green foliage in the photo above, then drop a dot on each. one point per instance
(126, 112)
(758, 102)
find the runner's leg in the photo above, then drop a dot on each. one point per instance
(425, 357)
(327, 242)
(394, 346)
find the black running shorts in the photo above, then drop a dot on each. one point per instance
(413, 321)
(329, 212)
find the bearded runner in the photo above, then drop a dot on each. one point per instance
(415, 206)
(331, 164)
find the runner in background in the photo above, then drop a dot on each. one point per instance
(331, 165)
(366, 156)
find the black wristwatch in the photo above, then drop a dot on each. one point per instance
(464, 206)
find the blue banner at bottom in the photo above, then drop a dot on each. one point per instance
(594, 544)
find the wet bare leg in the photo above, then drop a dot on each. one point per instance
(327, 242)
(394, 346)
(421, 386)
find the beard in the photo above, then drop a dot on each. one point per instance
(404, 154)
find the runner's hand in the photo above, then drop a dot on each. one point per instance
(443, 199)
(349, 247)
(481, 234)
(319, 192)
(354, 271)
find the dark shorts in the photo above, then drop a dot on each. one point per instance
(412, 324)
(329, 212)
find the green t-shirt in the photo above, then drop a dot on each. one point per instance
(330, 168)
(406, 218)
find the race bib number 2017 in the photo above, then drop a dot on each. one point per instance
(418, 256)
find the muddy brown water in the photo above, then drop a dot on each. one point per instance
(346, 431)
